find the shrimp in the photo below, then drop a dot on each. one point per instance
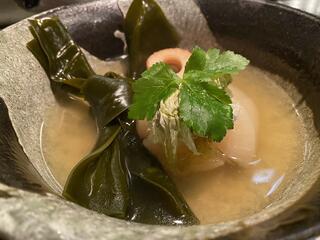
(175, 57)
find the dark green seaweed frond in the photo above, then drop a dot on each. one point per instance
(119, 178)
(147, 30)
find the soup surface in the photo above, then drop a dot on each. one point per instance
(223, 194)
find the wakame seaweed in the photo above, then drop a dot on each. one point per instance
(119, 178)
(147, 30)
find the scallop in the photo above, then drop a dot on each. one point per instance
(240, 143)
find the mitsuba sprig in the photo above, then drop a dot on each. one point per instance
(204, 105)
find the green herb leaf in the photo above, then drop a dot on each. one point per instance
(206, 110)
(206, 76)
(213, 67)
(156, 84)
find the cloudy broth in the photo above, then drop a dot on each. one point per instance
(223, 194)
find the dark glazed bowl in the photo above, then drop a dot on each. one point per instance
(276, 38)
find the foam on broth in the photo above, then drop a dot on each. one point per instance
(223, 194)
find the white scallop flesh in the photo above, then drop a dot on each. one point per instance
(240, 143)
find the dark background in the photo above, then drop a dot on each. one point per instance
(12, 11)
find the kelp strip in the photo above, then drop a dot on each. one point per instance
(147, 30)
(119, 178)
